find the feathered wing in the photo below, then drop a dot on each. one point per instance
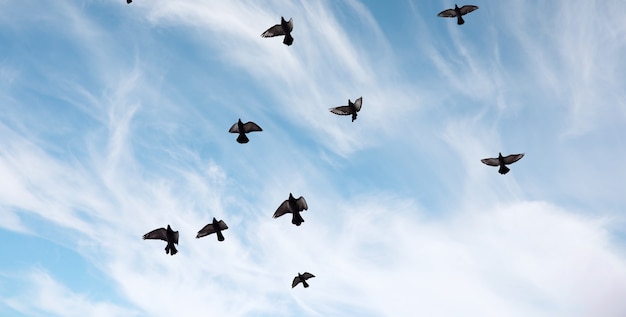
(251, 127)
(358, 103)
(510, 159)
(295, 282)
(222, 225)
(282, 209)
(467, 9)
(307, 275)
(275, 30)
(158, 234)
(448, 13)
(341, 110)
(290, 24)
(491, 161)
(205, 231)
(301, 203)
(234, 128)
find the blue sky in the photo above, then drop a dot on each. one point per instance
(114, 120)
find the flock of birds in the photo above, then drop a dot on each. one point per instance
(296, 205)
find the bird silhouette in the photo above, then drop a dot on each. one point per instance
(242, 129)
(129, 1)
(351, 109)
(168, 235)
(213, 227)
(294, 206)
(302, 278)
(502, 161)
(284, 28)
(457, 12)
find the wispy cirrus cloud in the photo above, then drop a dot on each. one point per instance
(403, 216)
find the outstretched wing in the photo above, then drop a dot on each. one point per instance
(234, 128)
(491, 161)
(222, 225)
(449, 13)
(510, 159)
(290, 24)
(275, 30)
(341, 110)
(307, 275)
(467, 9)
(159, 234)
(301, 203)
(296, 281)
(358, 103)
(282, 209)
(205, 231)
(251, 127)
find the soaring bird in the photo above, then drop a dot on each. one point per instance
(457, 12)
(242, 129)
(284, 28)
(214, 227)
(502, 161)
(294, 206)
(302, 278)
(351, 109)
(168, 235)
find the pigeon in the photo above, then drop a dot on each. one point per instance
(502, 161)
(294, 206)
(214, 227)
(351, 109)
(168, 235)
(242, 129)
(302, 278)
(457, 12)
(284, 28)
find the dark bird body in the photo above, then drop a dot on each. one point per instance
(129, 1)
(168, 235)
(242, 129)
(293, 206)
(302, 278)
(284, 28)
(457, 12)
(502, 161)
(214, 227)
(351, 109)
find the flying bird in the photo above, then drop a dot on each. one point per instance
(294, 206)
(214, 227)
(351, 109)
(168, 235)
(284, 28)
(502, 161)
(302, 278)
(457, 12)
(242, 129)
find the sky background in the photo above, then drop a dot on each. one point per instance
(114, 121)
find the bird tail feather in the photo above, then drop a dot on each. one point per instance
(297, 219)
(503, 169)
(288, 39)
(220, 236)
(242, 138)
(460, 20)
